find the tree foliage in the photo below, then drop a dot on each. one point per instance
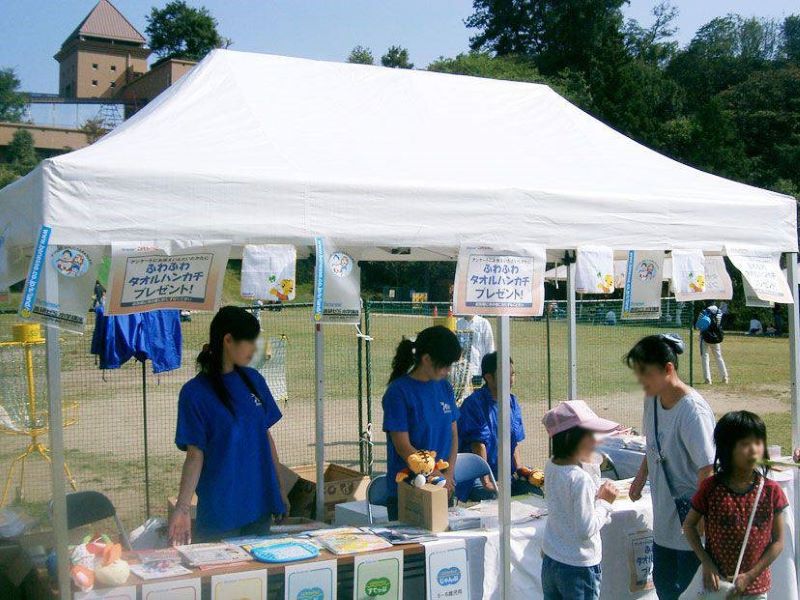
(181, 31)
(361, 55)
(21, 152)
(12, 101)
(396, 57)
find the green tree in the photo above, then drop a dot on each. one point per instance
(7, 175)
(791, 38)
(361, 56)
(21, 152)
(94, 129)
(12, 102)
(397, 58)
(181, 31)
(655, 44)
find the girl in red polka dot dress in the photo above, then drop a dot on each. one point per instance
(726, 500)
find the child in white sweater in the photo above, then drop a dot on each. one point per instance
(577, 509)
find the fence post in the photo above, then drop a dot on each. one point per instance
(368, 352)
(691, 347)
(146, 448)
(360, 361)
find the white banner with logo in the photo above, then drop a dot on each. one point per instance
(640, 560)
(311, 581)
(446, 570)
(495, 281)
(643, 279)
(594, 270)
(718, 283)
(268, 272)
(337, 285)
(688, 272)
(762, 270)
(378, 576)
(59, 286)
(152, 275)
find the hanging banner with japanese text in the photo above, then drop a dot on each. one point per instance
(718, 284)
(594, 270)
(378, 576)
(688, 272)
(154, 275)
(268, 272)
(59, 286)
(640, 560)
(493, 281)
(762, 270)
(337, 285)
(643, 279)
(311, 581)
(446, 570)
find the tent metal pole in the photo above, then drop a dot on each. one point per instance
(794, 356)
(319, 414)
(572, 343)
(57, 460)
(504, 451)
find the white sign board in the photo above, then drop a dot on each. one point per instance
(337, 285)
(642, 295)
(155, 275)
(718, 283)
(762, 270)
(378, 576)
(640, 560)
(491, 281)
(248, 585)
(127, 592)
(446, 570)
(268, 272)
(182, 589)
(311, 581)
(594, 270)
(688, 271)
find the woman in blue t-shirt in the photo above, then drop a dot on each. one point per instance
(224, 416)
(419, 407)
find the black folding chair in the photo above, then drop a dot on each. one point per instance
(84, 508)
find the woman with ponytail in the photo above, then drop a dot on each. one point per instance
(224, 416)
(679, 427)
(419, 406)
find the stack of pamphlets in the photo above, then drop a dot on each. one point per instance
(348, 540)
(213, 555)
(157, 564)
(398, 536)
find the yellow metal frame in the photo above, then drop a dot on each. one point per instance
(26, 336)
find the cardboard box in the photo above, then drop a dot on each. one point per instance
(424, 507)
(341, 485)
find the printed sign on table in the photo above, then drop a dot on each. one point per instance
(127, 592)
(182, 589)
(378, 576)
(718, 283)
(154, 275)
(642, 295)
(688, 271)
(268, 272)
(249, 585)
(491, 281)
(337, 285)
(640, 560)
(762, 270)
(59, 285)
(594, 270)
(311, 581)
(446, 570)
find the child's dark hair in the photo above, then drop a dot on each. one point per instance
(438, 342)
(242, 325)
(657, 349)
(731, 428)
(489, 364)
(565, 443)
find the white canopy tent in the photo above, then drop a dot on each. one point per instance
(402, 165)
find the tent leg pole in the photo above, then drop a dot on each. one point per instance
(504, 452)
(57, 461)
(319, 413)
(572, 343)
(794, 356)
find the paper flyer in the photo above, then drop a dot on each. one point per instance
(378, 576)
(127, 592)
(59, 286)
(594, 270)
(642, 295)
(750, 298)
(152, 275)
(311, 581)
(268, 272)
(337, 285)
(446, 570)
(249, 585)
(762, 270)
(688, 272)
(640, 560)
(493, 281)
(183, 589)
(718, 283)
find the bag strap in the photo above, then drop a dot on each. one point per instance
(749, 527)
(661, 459)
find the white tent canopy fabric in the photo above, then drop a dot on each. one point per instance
(254, 148)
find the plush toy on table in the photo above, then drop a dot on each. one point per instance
(533, 476)
(421, 465)
(98, 560)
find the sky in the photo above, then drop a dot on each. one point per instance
(31, 31)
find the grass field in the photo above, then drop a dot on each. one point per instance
(105, 448)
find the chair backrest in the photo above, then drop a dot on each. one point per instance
(88, 507)
(378, 490)
(470, 467)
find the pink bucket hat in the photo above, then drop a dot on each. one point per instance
(575, 413)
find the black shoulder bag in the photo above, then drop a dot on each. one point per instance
(682, 503)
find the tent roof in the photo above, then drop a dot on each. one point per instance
(254, 148)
